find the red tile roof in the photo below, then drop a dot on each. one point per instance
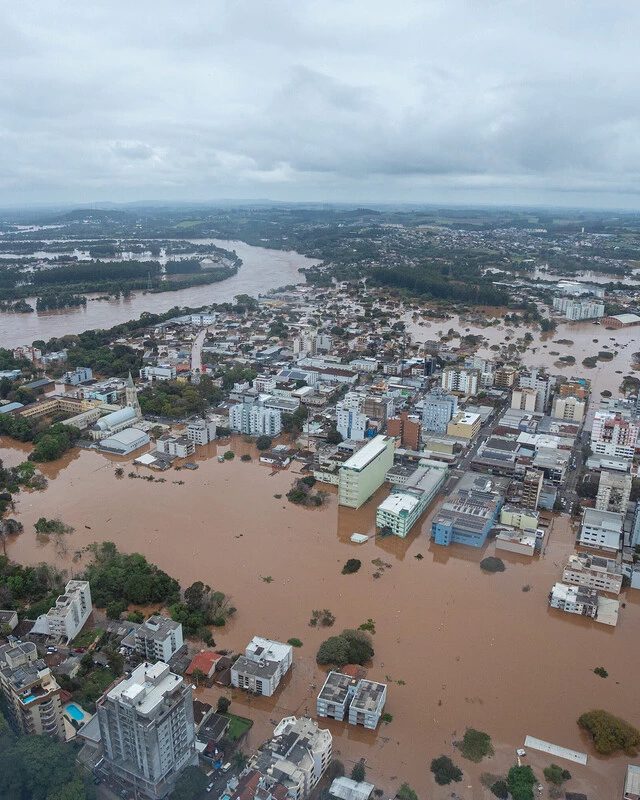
(203, 661)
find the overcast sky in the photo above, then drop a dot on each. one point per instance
(488, 101)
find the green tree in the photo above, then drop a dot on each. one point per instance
(358, 772)
(405, 792)
(223, 705)
(350, 647)
(610, 733)
(263, 442)
(520, 782)
(190, 785)
(445, 771)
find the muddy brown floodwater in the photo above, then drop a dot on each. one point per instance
(457, 647)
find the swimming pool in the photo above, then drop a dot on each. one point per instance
(74, 712)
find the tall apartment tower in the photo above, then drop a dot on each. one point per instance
(531, 488)
(408, 428)
(146, 724)
(31, 693)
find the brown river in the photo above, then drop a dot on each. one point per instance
(458, 647)
(262, 269)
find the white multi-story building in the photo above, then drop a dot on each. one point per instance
(405, 505)
(264, 384)
(178, 446)
(158, 638)
(574, 599)
(31, 693)
(524, 399)
(262, 667)
(601, 530)
(351, 424)
(570, 408)
(535, 379)
(77, 376)
(361, 701)
(579, 309)
(67, 618)
(438, 410)
(614, 434)
(201, 431)
(147, 730)
(461, 379)
(594, 572)
(364, 473)
(161, 372)
(297, 756)
(614, 491)
(253, 419)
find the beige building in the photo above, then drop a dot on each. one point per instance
(532, 488)
(364, 473)
(593, 572)
(516, 517)
(614, 491)
(504, 377)
(569, 408)
(464, 425)
(524, 399)
(31, 692)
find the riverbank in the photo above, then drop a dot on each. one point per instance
(458, 647)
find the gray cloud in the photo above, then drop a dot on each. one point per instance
(418, 100)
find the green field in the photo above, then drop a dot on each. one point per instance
(238, 726)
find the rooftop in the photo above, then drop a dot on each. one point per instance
(336, 688)
(363, 457)
(147, 688)
(369, 696)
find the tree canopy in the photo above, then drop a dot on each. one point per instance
(349, 647)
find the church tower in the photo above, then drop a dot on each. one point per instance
(131, 396)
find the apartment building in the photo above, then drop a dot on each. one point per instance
(147, 729)
(614, 434)
(399, 512)
(161, 372)
(264, 664)
(361, 702)
(524, 399)
(504, 377)
(77, 376)
(30, 691)
(378, 407)
(614, 491)
(201, 431)
(253, 419)
(462, 380)
(593, 572)
(364, 472)
(351, 423)
(574, 600)
(601, 530)
(464, 425)
(531, 488)
(568, 407)
(297, 756)
(158, 638)
(577, 310)
(542, 383)
(176, 446)
(407, 428)
(438, 409)
(66, 619)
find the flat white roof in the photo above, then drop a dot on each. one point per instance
(398, 502)
(366, 454)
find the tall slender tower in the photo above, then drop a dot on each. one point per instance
(131, 396)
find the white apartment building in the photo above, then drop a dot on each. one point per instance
(594, 572)
(253, 419)
(161, 372)
(147, 730)
(201, 431)
(535, 379)
(351, 424)
(67, 618)
(438, 409)
(569, 408)
(361, 701)
(31, 693)
(601, 530)
(158, 638)
(579, 309)
(524, 399)
(614, 491)
(365, 364)
(461, 379)
(264, 664)
(574, 599)
(264, 384)
(405, 505)
(297, 756)
(177, 446)
(364, 472)
(614, 434)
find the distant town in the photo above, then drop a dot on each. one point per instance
(497, 427)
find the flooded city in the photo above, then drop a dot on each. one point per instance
(262, 269)
(458, 647)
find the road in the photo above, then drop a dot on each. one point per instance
(196, 351)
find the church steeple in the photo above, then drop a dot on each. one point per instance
(131, 396)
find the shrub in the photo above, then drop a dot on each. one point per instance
(309, 481)
(263, 442)
(405, 792)
(492, 564)
(556, 775)
(223, 705)
(520, 782)
(135, 616)
(352, 565)
(602, 672)
(294, 642)
(500, 789)
(115, 609)
(610, 733)
(358, 772)
(245, 457)
(445, 771)
(475, 745)
(350, 647)
(386, 717)
(229, 455)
